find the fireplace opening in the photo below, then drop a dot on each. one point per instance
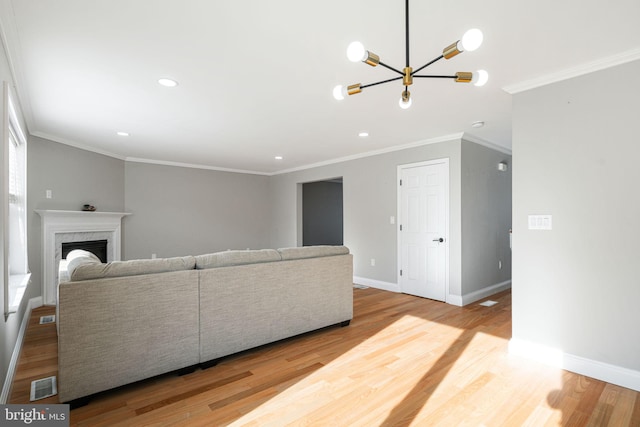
(97, 247)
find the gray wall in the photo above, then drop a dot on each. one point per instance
(486, 217)
(576, 288)
(322, 222)
(178, 211)
(75, 177)
(370, 198)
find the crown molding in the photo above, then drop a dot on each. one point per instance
(589, 67)
(77, 145)
(477, 140)
(444, 138)
(193, 166)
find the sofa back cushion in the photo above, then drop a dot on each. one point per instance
(312, 252)
(230, 258)
(134, 267)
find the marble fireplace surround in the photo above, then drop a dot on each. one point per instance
(74, 226)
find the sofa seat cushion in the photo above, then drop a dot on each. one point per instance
(134, 267)
(230, 258)
(312, 252)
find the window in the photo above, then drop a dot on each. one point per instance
(16, 267)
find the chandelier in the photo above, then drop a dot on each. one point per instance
(471, 40)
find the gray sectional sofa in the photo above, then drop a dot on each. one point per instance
(126, 321)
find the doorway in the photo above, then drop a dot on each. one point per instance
(322, 213)
(423, 235)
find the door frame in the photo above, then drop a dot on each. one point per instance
(447, 191)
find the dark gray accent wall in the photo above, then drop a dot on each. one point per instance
(178, 211)
(576, 287)
(486, 217)
(322, 216)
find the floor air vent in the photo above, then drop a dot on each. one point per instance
(488, 303)
(47, 319)
(356, 286)
(45, 387)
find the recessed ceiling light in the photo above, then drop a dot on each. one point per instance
(363, 134)
(168, 82)
(123, 133)
(477, 124)
(279, 157)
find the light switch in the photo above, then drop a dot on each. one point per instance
(48, 194)
(540, 222)
(392, 220)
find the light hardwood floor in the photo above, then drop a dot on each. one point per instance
(403, 361)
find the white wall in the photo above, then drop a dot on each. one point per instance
(576, 288)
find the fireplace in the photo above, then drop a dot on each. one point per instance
(62, 227)
(96, 247)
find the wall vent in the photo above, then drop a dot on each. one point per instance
(47, 319)
(45, 387)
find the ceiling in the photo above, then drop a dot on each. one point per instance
(256, 78)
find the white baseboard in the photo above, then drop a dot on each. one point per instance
(451, 299)
(592, 368)
(13, 364)
(385, 286)
(485, 292)
(478, 295)
(454, 300)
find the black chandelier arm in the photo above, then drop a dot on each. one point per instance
(381, 82)
(413, 73)
(390, 68)
(437, 77)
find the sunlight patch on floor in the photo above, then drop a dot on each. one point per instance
(479, 382)
(384, 368)
(429, 369)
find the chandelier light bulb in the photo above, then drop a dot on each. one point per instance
(339, 92)
(480, 78)
(471, 40)
(404, 105)
(356, 52)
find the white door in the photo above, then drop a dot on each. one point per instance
(423, 235)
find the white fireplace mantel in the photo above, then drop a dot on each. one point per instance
(80, 226)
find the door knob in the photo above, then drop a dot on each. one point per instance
(439, 240)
